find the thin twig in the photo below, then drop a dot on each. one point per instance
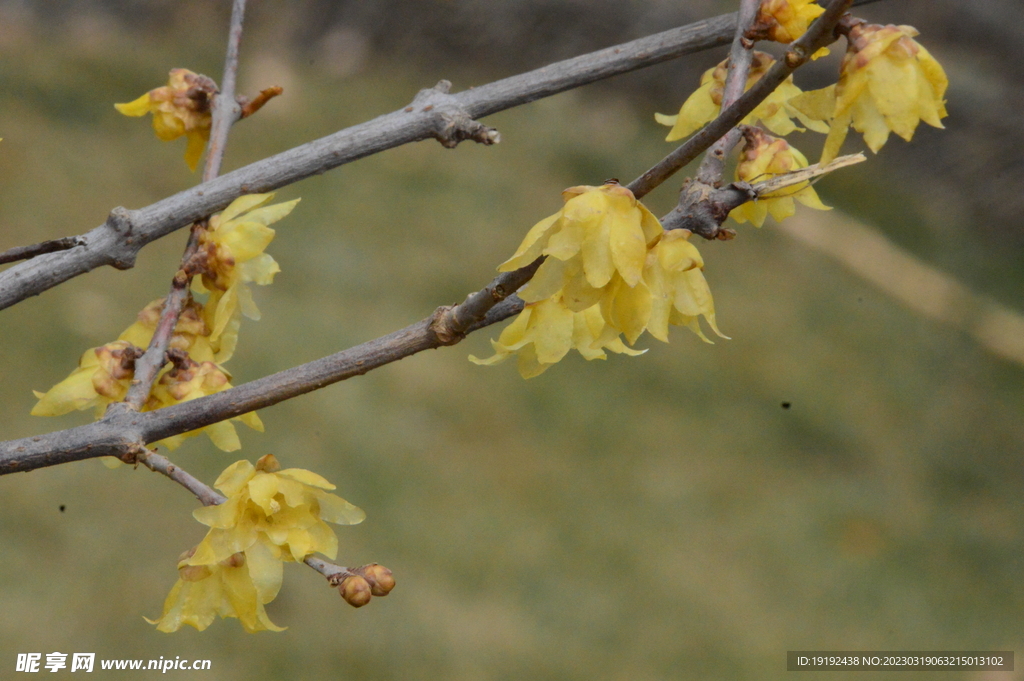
(226, 111)
(25, 252)
(333, 572)
(818, 35)
(256, 103)
(161, 464)
(741, 54)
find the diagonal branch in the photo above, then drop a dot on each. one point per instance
(126, 232)
(121, 432)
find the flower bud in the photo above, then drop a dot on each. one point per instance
(381, 579)
(268, 464)
(356, 591)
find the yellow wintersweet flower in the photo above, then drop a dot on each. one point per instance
(762, 158)
(546, 330)
(887, 82)
(182, 107)
(679, 293)
(233, 245)
(704, 105)
(786, 20)
(190, 380)
(600, 232)
(238, 586)
(287, 510)
(271, 516)
(102, 377)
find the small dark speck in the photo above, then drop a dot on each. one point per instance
(312, 61)
(62, 507)
(786, 405)
(860, 299)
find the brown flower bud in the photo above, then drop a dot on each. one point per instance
(381, 579)
(268, 464)
(356, 591)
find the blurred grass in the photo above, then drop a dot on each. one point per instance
(653, 517)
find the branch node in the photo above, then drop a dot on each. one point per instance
(451, 122)
(444, 326)
(121, 222)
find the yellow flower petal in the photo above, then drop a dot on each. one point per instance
(136, 107)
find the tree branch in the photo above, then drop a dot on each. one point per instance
(206, 495)
(121, 432)
(26, 252)
(226, 111)
(126, 232)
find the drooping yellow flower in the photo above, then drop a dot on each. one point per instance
(238, 586)
(787, 20)
(191, 333)
(679, 293)
(544, 332)
(288, 510)
(271, 516)
(888, 83)
(762, 158)
(102, 377)
(190, 380)
(182, 107)
(233, 245)
(600, 232)
(704, 105)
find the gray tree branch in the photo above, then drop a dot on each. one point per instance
(434, 114)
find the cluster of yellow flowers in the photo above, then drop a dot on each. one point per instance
(271, 516)
(887, 82)
(232, 250)
(610, 270)
(775, 112)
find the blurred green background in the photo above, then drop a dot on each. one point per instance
(660, 517)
